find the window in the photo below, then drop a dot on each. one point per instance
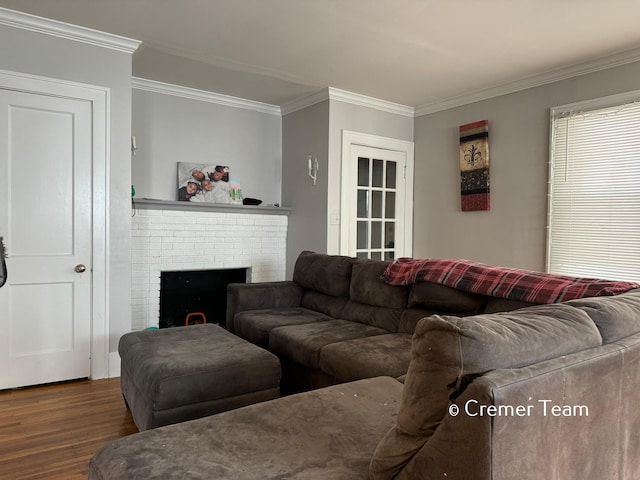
(594, 188)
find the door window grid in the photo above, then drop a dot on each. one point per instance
(376, 202)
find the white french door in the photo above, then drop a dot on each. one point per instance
(46, 220)
(377, 198)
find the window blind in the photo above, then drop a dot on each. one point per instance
(594, 187)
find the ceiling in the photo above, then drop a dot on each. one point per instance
(411, 52)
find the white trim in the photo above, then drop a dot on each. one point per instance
(370, 102)
(114, 365)
(305, 101)
(349, 139)
(202, 95)
(100, 112)
(338, 95)
(616, 60)
(76, 33)
(602, 102)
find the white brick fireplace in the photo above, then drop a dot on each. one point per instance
(167, 238)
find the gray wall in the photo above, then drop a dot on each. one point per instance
(513, 232)
(356, 118)
(305, 132)
(317, 130)
(48, 56)
(171, 129)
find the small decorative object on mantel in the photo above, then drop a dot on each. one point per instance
(235, 192)
(203, 183)
(474, 166)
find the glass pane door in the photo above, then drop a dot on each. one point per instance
(376, 208)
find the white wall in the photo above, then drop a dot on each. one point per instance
(513, 232)
(44, 55)
(171, 129)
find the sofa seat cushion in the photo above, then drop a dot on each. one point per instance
(326, 433)
(255, 325)
(382, 355)
(303, 343)
(448, 352)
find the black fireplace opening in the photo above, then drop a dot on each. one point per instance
(190, 297)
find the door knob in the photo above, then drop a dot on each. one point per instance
(80, 268)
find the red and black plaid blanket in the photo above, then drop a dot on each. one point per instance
(511, 283)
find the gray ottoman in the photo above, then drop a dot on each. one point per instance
(176, 374)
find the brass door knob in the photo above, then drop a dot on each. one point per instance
(80, 268)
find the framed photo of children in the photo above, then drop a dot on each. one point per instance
(203, 183)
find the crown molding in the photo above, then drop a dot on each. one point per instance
(305, 101)
(338, 95)
(203, 96)
(25, 21)
(365, 101)
(611, 61)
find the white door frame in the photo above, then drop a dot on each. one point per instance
(349, 139)
(100, 100)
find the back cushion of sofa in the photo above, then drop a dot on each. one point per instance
(497, 304)
(616, 317)
(446, 350)
(442, 298)
(411, 317)
(371, 300)
(319, 302)
(327, 274)
(367, 286)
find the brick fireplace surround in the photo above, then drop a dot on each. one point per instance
(167, 236)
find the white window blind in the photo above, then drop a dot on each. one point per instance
(594, 188)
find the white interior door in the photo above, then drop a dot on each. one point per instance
(377, 203)
(45, 218)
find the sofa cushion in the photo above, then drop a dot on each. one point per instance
(327, 304)
(368, 287)
(381, 317)
(302, 343)
(443, 298)
(497, 304)
(255, 325)
(324, 434)
(616, 317)
(382, 355)
(447, 351)
(328, 274)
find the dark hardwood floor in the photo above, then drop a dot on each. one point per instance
(51, 432)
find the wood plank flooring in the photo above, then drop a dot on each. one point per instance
(51, 432)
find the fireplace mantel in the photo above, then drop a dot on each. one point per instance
(152, 204)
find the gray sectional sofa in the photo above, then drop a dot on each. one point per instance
(338, 321)
(539, 392)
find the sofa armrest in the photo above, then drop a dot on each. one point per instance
(594, 384)
(255, 296)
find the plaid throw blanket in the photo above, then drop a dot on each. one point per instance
(511, 283)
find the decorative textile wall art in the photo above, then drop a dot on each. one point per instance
(474, 166)
(203, 183)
